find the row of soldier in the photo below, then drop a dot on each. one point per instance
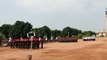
(68, 39)
(26, 43)
(36, 42)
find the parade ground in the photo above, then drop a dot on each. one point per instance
(81, 50)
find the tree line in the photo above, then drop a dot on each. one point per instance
(20, 29)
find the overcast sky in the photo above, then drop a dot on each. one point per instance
(57, 14)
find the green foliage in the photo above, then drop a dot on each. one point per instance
(20, 29)
(38, 32)
(67, 31)
(80, 35)
(55, 33)
(2, 36)
(43, 31)
(5, 29)
(46, 31)
(88, 33)
(27, 28)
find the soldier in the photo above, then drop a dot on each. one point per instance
(0, 42)
(33, 43)
(20, 44)
(16, 44)
(9, 42)
(12, 44)
(25, 43)
(37, 43)
(41, 42)
(28, 44)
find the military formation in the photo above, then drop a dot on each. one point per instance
(36, 43)
(68, 39)
(26, 43)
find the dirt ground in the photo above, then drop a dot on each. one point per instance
(82, 50)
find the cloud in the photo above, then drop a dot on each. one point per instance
(100, 4)
(50, 5)
(73, 6)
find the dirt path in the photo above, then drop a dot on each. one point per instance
(88, 50)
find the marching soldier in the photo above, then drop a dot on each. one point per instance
(0, 42)
(41, 42)
(10, 41)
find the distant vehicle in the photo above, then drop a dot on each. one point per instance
(91, 38)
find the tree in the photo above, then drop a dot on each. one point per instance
(20, 29)
(46, 31)
(75, 32)
(27, 28)
(38, 32)
(43, 31)
(2, 36)
(55, 33)
(80, 35)
(88, 33)
(5, 29)
(68, 31)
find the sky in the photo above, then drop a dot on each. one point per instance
(56, 14)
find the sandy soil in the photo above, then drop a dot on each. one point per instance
(82, 50)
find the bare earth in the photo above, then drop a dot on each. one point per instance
(82, 50)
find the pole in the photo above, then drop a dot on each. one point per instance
(30, 55)
(32, 34)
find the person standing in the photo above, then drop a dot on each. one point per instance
(41, 42)
(0, 42)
